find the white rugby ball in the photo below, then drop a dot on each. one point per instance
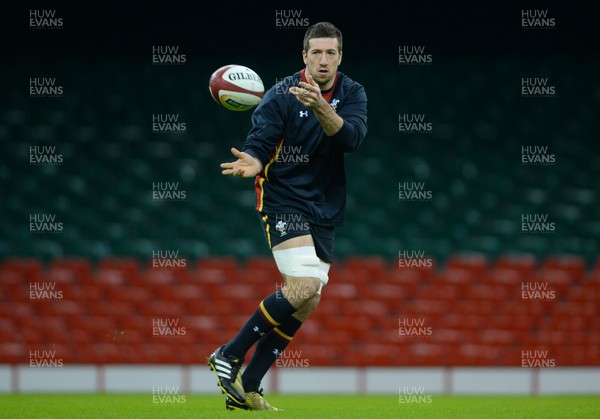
(236, 87)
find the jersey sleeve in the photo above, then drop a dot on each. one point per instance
(354, 114)
(267, 127)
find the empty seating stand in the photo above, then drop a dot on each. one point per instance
(469, 310)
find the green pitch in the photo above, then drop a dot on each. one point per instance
(133, 406)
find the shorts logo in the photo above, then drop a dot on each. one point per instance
(291, 224)
(280, 226)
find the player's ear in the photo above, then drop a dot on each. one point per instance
(340, 59)
(304, 55)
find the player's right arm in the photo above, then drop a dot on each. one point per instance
(268, 126)
(244, 166)
(263, 137)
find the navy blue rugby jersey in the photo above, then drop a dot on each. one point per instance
(303, 169)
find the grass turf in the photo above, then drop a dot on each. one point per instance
(132, 406)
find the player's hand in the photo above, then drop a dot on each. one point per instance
(309, 94)
(244, 166)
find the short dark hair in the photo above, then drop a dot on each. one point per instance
(322, 30)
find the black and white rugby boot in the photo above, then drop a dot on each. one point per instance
(228, 373)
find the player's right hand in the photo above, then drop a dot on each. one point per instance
(245, 165)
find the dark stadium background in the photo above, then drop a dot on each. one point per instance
(471, 162)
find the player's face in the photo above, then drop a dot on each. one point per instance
(322, 60)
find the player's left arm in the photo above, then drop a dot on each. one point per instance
(348, 130)
(309, 94)
(331, 122)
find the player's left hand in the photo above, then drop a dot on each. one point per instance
(309, 94)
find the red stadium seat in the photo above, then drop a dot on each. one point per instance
(481, 354)
(586, 292)
(509, 276)
(80, 267)
(366, 269)
(426, 353)
(119, 271)
(462, 321)
(489, 292)
(526, 263)
(459, 276)
(14, 352)
(409, 277)
(29, 269)
(262, 266)
(500, 337)
(452, 337)
(573, 264)
(475, 263)
(340, 290)
(444, 291)
(389, 292)
(474, 308)
(224, 263)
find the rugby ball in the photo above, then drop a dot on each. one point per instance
(236, 87)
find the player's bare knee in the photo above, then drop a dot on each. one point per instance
(312, 304)
(301, 290)
(304, 312)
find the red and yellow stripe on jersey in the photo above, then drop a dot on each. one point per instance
(260, 179)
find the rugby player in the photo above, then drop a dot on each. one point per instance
(301, 131)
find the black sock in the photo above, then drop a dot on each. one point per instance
(271, 312)
(268, 348)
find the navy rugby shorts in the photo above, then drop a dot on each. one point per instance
(281, 227)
